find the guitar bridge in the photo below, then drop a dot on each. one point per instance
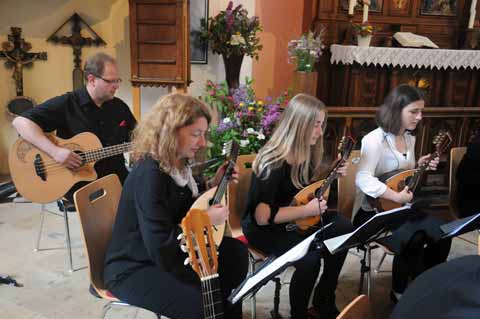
(39, 167)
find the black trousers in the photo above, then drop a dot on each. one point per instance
(277, 241)
(179, 295)
(419, 246)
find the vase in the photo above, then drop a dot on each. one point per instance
(364, 41)
(233, 64)
(305, 82)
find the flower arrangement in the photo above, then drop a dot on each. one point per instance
(363, 29)
(232, 32)
(306, 51)
(243, 117)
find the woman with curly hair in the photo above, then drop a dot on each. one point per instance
(144, 263)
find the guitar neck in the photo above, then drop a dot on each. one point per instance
(98, 154)
(212, 297)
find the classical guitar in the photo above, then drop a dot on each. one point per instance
(398, 179)
(202, 256)
(215, 195)
(39, 178)
(321, 188)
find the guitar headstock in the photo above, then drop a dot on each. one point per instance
(345, 147)
(442, 141)
(202, 252)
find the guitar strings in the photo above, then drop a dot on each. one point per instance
(89, 156)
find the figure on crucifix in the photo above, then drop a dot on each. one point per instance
(17, 55)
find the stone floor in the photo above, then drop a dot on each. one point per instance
(50, 292)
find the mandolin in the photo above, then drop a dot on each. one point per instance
(216, 195)
(321, 188)
(398, 179)
(40, 179)
(202, 256)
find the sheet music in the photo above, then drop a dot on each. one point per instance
(333, 244)
(452, 229)
(277, 264)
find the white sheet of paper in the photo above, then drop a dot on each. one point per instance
(290, 256)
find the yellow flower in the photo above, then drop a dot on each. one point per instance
(423, 83)
(260, 109)
(241, 104)
(251, 108)
(260, 103)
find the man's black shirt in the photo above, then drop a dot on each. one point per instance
(75, 112)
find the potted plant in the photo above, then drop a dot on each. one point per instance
(364, 32)
(305, 53)
(233, 34)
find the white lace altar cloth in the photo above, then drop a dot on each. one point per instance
(405, 57)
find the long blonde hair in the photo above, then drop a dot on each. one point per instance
(156, 134)
(291, 140)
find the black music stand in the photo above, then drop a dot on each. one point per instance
(377, 227)
(273, 266)
(460, 226)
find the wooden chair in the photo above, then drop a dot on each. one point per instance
(237, 200)
(97, 205)
(359, 308)
(456, 155)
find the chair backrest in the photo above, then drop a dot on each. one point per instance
(346, 186)
(97, 205)
(359, 308)
(237, 193)
(456, 155)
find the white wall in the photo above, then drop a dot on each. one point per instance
(109, 19)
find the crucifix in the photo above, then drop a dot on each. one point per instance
(77, 42)
(17, 55)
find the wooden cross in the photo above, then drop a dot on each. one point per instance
(17, 55)
(77, 42)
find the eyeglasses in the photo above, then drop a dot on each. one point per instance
(114, 81)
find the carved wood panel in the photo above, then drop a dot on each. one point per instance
(159, 42)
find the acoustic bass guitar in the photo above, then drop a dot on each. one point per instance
(398, 179)
(40, 179)
(321, 188)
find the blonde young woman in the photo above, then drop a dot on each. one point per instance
(144, 263)
(287, 163)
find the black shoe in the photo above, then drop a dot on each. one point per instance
(93, 292)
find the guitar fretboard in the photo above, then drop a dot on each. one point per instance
(212, 297)
(101, 153)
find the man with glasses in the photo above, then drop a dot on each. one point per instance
(93, 108)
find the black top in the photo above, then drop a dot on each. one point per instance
(450, 290)
(75, 112)
(146, 227)
(468, 180)
(276, 191)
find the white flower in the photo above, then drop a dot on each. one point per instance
(226, 120)
(260, 136)
(250, 130)
(244, 143)
(237, 39)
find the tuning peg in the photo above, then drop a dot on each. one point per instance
(187, 261)
(184, 248)
(180, 236)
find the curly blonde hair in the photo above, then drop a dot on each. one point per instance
(291, 140)
(156, 134)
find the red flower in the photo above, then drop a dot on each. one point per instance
(122, 123)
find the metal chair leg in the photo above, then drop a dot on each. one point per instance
(42, 220)
(67, 238)
(253, 302)
(377, 269)
(366, 269)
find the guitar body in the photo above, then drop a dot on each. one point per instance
(202, 203)
(302, 198)
(396, 181)
(58, 179)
